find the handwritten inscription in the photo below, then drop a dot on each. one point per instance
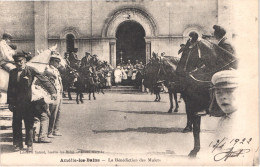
(230, 154)
(230, 149)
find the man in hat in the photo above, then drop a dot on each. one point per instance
(73, 59)
(74, 53)
(19, 96)
(6, 53)
(53, 73)
(94, 62)
(66, 57)
(85, 61)
(219, 34)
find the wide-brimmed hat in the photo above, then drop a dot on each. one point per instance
(56, 56)
(19, 55)
(7, 36)
(75, 50)
(219, 31)
(225, 79)
(14, 47)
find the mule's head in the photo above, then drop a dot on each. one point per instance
(150, 73)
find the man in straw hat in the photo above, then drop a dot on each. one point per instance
(53, 73)
(19, 95)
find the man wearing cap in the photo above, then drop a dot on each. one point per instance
(19, 96)
(52, 72)
(6, 53)
(235, 124)
(94, 60)
(225, 83)
(224, 101)
(219, 34)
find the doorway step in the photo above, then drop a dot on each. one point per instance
(123, 90)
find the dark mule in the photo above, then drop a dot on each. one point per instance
(197, 65)
(155, 71)
(86, 82)
(80, 88)
(91, 85)
(101, 82)
(68, 76)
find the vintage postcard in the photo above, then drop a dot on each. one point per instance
(129, 83)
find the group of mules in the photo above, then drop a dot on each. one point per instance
(189, 76)
(87, 75)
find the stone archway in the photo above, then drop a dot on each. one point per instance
(129, 14)
(63, 38)
(130, 43)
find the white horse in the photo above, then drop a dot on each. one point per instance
(39, 62)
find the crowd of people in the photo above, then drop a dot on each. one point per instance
(125, 74)
(19, 93)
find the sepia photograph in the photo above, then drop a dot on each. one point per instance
(129, 83)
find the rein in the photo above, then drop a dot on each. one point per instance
(212, 72)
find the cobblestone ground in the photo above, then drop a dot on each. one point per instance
(114, 125)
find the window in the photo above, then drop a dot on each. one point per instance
(70, 42)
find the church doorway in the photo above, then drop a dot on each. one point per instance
(130, 43)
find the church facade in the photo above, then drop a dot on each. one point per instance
(115, 30)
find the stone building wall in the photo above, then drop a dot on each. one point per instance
(38, 25)
(17, 18)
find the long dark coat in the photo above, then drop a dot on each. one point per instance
(19, 92)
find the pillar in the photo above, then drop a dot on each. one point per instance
(147, 49)
(41, 25)
(112, 53)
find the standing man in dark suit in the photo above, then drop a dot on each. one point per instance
(219, 33)
(19, 96)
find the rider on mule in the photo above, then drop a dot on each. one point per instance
(223, 42)
(85, 61)
(73, 59)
